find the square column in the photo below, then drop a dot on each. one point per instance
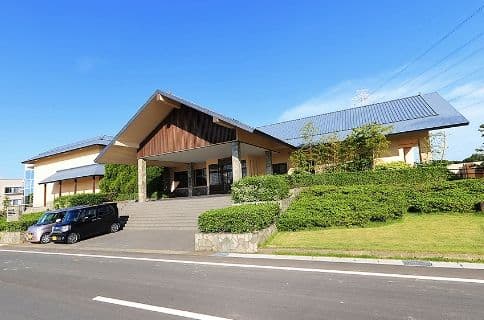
(268, 162)
(142, 180)
(190, 179)
(236, 165)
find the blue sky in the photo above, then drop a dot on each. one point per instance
(72, 70)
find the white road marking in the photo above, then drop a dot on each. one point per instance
(148, 307)
(255, 266)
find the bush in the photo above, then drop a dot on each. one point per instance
(239, 219)
(24, 222)
(326, 206)
(80, 199)
(410, 176)
(396, 165)
(451, 196)
(260, 188)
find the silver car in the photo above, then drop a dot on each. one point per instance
(40, 232)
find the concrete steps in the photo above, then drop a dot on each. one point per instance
(170, 214)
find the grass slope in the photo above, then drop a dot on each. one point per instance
(437, 236)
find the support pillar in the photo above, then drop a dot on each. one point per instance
(268, 162)
(236, 165)
(60, 188)
(75, 186)
(45, 194)
(142, 180)
(190, 179)
(93, 184)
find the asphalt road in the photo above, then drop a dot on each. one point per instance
(46, 286)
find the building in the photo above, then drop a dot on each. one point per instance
(11, 189)
(64, 170)
(205, 152)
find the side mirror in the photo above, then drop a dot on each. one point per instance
(57, 220)
(84, 219)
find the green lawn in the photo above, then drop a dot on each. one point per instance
(433, 236)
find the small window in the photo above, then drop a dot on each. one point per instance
(279, 168)
(182, 177)
(243, 163)
(214, 174)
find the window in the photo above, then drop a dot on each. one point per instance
(102, 211)
(12, 190)
(243, 163)
(28, 186)
(279, 168)
(182, 177)
(214, 174)
(15, 202)
(199, 177)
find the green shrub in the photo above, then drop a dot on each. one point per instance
(80, 199)
(396, 165)
(410, 176)
(24, 222)
(451, 196)
(239, 219)
(260, 188)
(357, 205)
(326, 206)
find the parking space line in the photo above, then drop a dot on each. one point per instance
(148, 307)
(262, 267)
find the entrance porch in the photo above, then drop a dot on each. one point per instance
(207, 170)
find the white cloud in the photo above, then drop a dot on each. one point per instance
(465, 96)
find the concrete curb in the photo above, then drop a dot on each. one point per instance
(393, 262)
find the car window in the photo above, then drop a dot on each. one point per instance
(90, 213)
(102, 211)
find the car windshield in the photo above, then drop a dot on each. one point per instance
(71, 216)
(49, 217)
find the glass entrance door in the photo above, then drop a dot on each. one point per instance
(220, 176)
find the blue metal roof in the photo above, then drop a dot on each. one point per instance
(101, 140)
(77, 172)
(420, 112)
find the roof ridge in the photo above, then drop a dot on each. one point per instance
(347, 109)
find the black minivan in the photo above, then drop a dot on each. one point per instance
(86, 221)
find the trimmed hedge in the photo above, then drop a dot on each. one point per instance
(239, 219)
(326, 206)
(450, 196)
(260, 188)
(416, 175)
(24, 222)
(80, 199)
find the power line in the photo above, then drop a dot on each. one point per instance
(470, 74)
(435, 44)
(444, 58)
(473, 53)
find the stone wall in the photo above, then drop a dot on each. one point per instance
(232, 242)
(12, 237)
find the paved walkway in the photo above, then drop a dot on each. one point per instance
(154, 241)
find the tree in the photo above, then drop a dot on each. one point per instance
(365, 144)
(121, 180)
(481, 130)
(357, 152)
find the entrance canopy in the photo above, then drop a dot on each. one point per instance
(93, 170)
(217, 151)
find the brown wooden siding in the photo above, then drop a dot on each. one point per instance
(184, 129)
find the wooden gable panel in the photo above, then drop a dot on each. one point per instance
(184, 129)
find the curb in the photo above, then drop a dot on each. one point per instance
(392, 262)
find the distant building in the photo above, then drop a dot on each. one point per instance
(12, 189)
(64, 170)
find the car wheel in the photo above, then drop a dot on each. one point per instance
(72, 238)
(114, 227)
(45, 238)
